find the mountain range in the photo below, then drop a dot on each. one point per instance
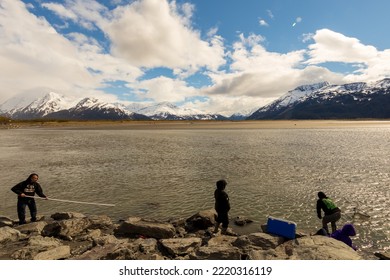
(316, 101)
(325, 101)
(58, 107)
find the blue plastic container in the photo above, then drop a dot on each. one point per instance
(281, 227)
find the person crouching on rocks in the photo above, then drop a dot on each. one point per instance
(222, 206)
(344, 235)
(25, 190)
(331, 212)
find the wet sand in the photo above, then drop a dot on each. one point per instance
(150, 125)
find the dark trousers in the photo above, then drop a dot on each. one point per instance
(30, 203)
(223, 217)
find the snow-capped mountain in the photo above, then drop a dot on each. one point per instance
(94, 109)
(38, 108)
(55, 106)
(169, 111)
(317, 101)
(325, 101)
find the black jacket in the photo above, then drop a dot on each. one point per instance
(28, 188)
(222, 203)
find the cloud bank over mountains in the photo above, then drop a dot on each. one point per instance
(120, 52)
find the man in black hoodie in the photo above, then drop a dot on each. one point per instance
(25, 190)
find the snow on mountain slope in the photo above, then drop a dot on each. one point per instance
(165, 108)
(330, 101)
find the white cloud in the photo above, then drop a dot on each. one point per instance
(151, 33)
(34, 55)
(262, 22)
(256, 72)
(89, 14)
(330, 46)
(60, 10)
(164, 89)
(270, 14)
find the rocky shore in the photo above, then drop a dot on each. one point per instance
(74, 236)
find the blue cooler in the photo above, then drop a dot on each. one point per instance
(281, 227)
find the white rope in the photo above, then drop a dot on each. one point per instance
(71, 201)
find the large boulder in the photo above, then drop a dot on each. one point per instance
(316, 247)
(100, 222)
(67, 229)
(67, 215)
(42, 248)
(201, 220)
(135, 226)
(35, 227)
(8, 234)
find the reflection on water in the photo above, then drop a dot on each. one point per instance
(171, 173)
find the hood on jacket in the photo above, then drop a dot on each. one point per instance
(348, 230)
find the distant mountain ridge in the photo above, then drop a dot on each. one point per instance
(315, 101)
(325, 101)
(55, 106)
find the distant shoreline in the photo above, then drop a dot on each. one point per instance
(151, 125)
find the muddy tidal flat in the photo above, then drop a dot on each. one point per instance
(145, 125)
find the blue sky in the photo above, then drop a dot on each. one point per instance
(220, 56)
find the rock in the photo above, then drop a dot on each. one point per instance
(6, 222)
(96, 253)
(180, 246)
(100, 222)
(264, 240)
(42, 248)
(269, 254)
(146, 246)
(104, 240)
(220, 252)
(66, 229)
(44, 242)
(202, 220)
(316, 247)
(221, 240)
(242, 221)
(35, 227)
(383, 255)
(61, 252)
(137, 226)
(91, 238)
(242, 242)
(8, 234)
(67, 215)
(90, 235)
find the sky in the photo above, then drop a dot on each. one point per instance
(218, 56)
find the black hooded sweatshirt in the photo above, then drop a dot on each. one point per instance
(28, 188)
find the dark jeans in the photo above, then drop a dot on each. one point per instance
(30, 203)
(223, 217)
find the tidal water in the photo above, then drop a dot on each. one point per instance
(172, 173)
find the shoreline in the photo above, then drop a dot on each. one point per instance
(185, 124)
(75, 236)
